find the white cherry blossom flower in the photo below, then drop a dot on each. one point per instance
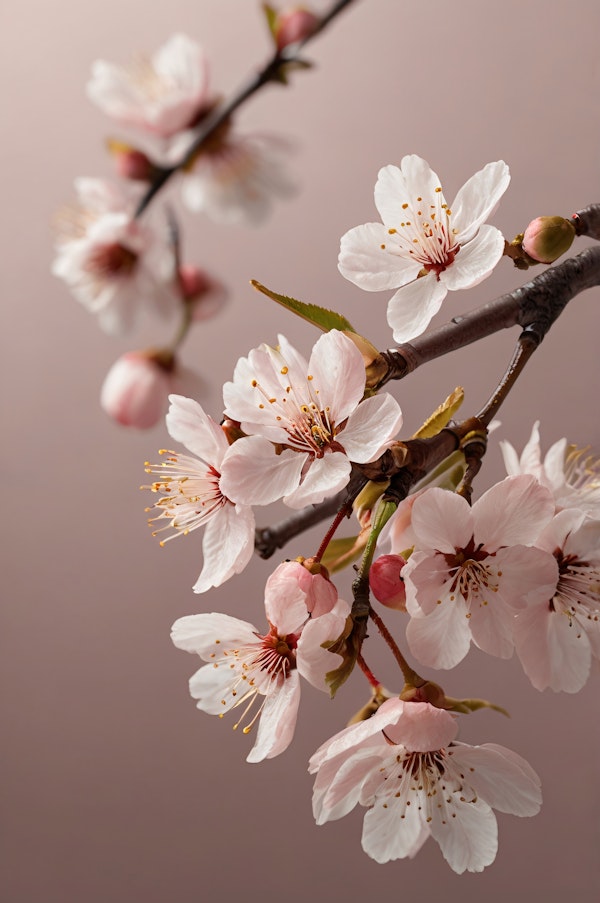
(192, 496)
(111, 261)
(261, 673)
(162, 94)
(234, 178)
(404, 765)
(572, 474)
(423, 247)
(312, 412)
(473, 568)
(556, 639)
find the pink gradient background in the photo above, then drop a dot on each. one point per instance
(114, 787)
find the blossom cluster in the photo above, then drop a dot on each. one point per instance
(520, 569)
(121, 267)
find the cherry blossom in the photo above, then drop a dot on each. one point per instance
(261, 672)
(423, 247)
(163, 94)
(110, 260)
(473, 568)
(234, 178)
(135, 390)
(557, 638)
(192, 496)
(405, 767)
(572, 474)
(312, 412)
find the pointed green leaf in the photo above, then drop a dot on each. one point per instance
(441, 416)
(319, 316)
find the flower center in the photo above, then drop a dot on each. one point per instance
(112, 260)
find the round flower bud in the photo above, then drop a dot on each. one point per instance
(547, 237)
(136, 388)
(386, 582)
(202, 291)
(294, 25)
(131, 163)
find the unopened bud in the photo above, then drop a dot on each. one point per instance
(131, 163)
(386, 581)
(293, 25)
(200, 289)
(546, 238)
(136, 388)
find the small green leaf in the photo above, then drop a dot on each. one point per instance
(319, 316)
(441, 416)
(271, 17)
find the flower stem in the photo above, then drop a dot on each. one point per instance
(411, 677)
(376, 684)
(344, 512)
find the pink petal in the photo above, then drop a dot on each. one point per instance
(421, 727)
(478, 198)
(370, 428)
(442, 521)
(441, 639)
(325, 476)
(253, 474)
(227, 546)
(413, 306)
(475, 260)
(491, 625)
(363, 260)
(277, 721)
(512, 512)
(313, 661)
(285, 597)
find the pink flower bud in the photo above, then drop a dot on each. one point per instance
(546, 238)
(386, 582)
(294, 25)
(199, 288)
(136, 388)
(131, 163)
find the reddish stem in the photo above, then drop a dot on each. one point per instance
(340, 516)
(376, 684)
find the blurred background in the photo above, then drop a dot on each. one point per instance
(114, 786)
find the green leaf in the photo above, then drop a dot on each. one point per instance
(341, 552)
(271, 17)
(442, 415)
(319, 316)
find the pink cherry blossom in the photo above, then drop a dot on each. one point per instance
(557, 638)
(473, 568)
(261, 673)
(111, 261)
(163, 94)
(385, 580)
(572, 474)
(405, 767)
(423, 247)
(313, 412)
(192, 496)
(135, 390)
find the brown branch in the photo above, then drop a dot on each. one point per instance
(273, 71)
(537, 304)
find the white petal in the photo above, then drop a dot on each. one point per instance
(213, 688)
(313, 661)
(370, 427)
(411, 309)
(363, 260)
(394, 832)
(491, 624)
(338, 373)
(189, 424)
(208, 633)
(503, 779)
(339, 781)
(474, 261)
(478, 198)
(277, 720)
(470, 840)
(227, 546)
(325, 477)
(253, 474)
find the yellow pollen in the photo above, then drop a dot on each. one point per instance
(284, 370)
(254, 384)
(404, 206)
(392, 231)
(438, 188)
(382, 247)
